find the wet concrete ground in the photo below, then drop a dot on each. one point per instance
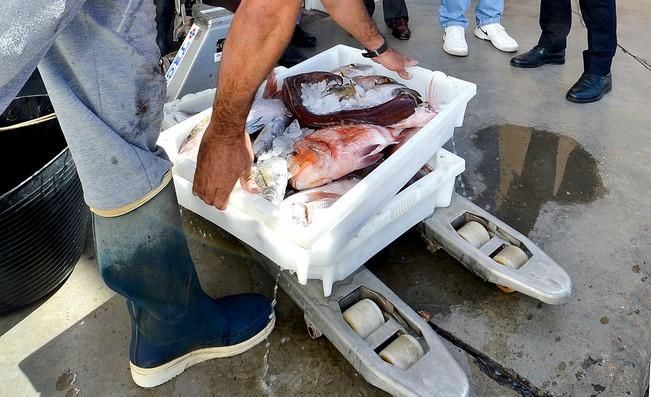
(572, 177)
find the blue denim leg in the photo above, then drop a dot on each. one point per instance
(451, 13)
(489, 11)
(99, 62)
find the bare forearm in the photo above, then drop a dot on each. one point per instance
(353, 17)
(260, 31)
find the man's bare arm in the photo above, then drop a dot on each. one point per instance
(352, 16)
(260, 31)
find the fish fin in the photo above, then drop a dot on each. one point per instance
(320, 195)
(369, 160)
(430, 93)
(396, 133)
(271, 89)
(253, 126)
(369, 150)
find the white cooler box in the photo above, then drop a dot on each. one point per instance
(366, 218)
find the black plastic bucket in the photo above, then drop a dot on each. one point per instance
(43, 217)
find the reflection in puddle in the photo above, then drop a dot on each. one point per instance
(523, 168)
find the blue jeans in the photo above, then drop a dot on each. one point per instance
(99, 62)
(451, 12)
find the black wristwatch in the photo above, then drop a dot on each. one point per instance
(375, 53)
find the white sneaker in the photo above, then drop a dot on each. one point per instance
(454, 41)
(496, 34)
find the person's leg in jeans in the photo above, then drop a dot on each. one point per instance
(454, 24)
(100, 67)
(451, 13)
(489, 11)
(601, 21)
(555, 23)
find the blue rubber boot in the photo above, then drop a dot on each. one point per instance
(143, 256)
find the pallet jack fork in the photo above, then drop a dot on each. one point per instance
(536, 274)
(435, 373)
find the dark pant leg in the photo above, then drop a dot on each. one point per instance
(370, 6)
(555, 22)
(394, 9)
(601, 21)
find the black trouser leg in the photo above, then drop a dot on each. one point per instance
(370, 6)
(601, 21)
(394, 9)
(555, 22)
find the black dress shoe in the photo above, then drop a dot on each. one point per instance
(590, 88)
(303, 39)
(400, 28)
(538, 56)
(291, 57)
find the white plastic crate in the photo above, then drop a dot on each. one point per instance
(313, 251)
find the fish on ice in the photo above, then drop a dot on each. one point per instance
(304, 206)
(283, 145)
(271, 176)
(423, 115)
(191, 143)
(264, 141)
(322, 99)
(331, 153)
(354, 70)
(267, 105)
(262, 112)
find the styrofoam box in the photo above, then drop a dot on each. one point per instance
(325, 250)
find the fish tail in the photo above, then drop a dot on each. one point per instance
(271, 89)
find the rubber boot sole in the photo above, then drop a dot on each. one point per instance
(152, 377)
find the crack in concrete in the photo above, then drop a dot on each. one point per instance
(645, 64)
(504, 376)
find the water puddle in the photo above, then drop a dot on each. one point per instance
(523, 168)
(67, 382)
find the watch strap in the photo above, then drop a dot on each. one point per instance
(377, 52)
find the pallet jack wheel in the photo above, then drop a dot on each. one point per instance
(403, 352)
(364, 317)
(312, 329)
(474, 233)
(512, 257)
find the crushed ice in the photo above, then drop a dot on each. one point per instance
(317, 100)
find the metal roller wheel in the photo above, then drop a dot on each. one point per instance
(364, 317)
(312, 329)
(403, 352)
(474, 233)
(512, 257)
